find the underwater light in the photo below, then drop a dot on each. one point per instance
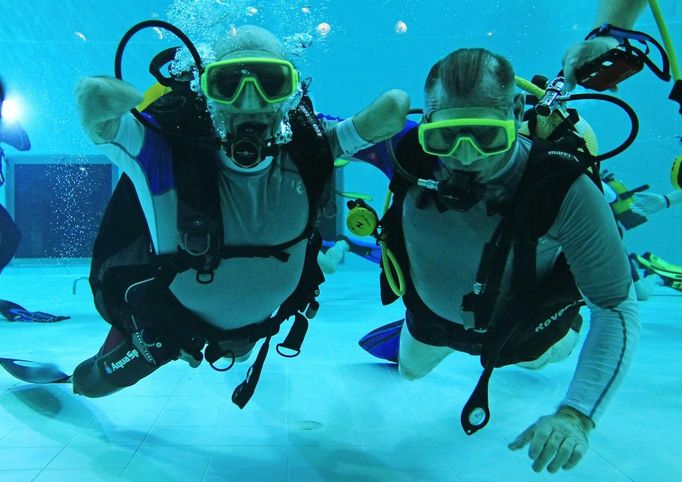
(11, 109)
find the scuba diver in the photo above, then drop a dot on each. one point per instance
(10, 236)
(586, 59)
(646, 204)
(632, 208)
(525, 224)
(14, 135)
(213, 227)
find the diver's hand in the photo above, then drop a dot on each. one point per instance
(384, 118)
(647, 203)
(581, 53)
(562, 436)
(329, 261)
(102, 101)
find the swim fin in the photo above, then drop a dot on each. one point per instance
(654, 264)
(383, 342)
(670, 274)
(660, 263)
(15, 312)
(34, 372)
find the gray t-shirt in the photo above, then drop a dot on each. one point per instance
(263, 206)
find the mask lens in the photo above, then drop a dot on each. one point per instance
(223, 83)
(440, 141)
(489, 138)
(275, 80)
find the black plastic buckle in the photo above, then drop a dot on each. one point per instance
(205, 277)
(291, 346)
(196, 244)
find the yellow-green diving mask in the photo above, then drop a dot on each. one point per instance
(487, 136)
(274, 79)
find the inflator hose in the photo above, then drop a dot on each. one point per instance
(124, 42)
(634, 129)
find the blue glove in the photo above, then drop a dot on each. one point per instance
(562, 436)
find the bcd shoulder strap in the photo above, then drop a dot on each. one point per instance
(195, 172)
(310, 150)
(515, 334)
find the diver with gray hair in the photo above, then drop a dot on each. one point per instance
(203, 241)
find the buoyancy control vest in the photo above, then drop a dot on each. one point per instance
(131, 283)
(523, 324)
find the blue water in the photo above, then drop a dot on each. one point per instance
(46, 47)
(404, 433)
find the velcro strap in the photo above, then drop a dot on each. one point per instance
(255, 332)
(278, 251)
(254, 252)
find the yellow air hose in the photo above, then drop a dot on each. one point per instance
(391, 263)
(667, 42)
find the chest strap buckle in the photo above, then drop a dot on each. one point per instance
(196, 244)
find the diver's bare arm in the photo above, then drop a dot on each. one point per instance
(674, 198)
(621, 13)
(102, 101)
(384, 117)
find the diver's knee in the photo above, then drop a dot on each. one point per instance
(410, 373)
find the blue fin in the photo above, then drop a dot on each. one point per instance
(15, 312)
(34, 372)
(383, 342)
